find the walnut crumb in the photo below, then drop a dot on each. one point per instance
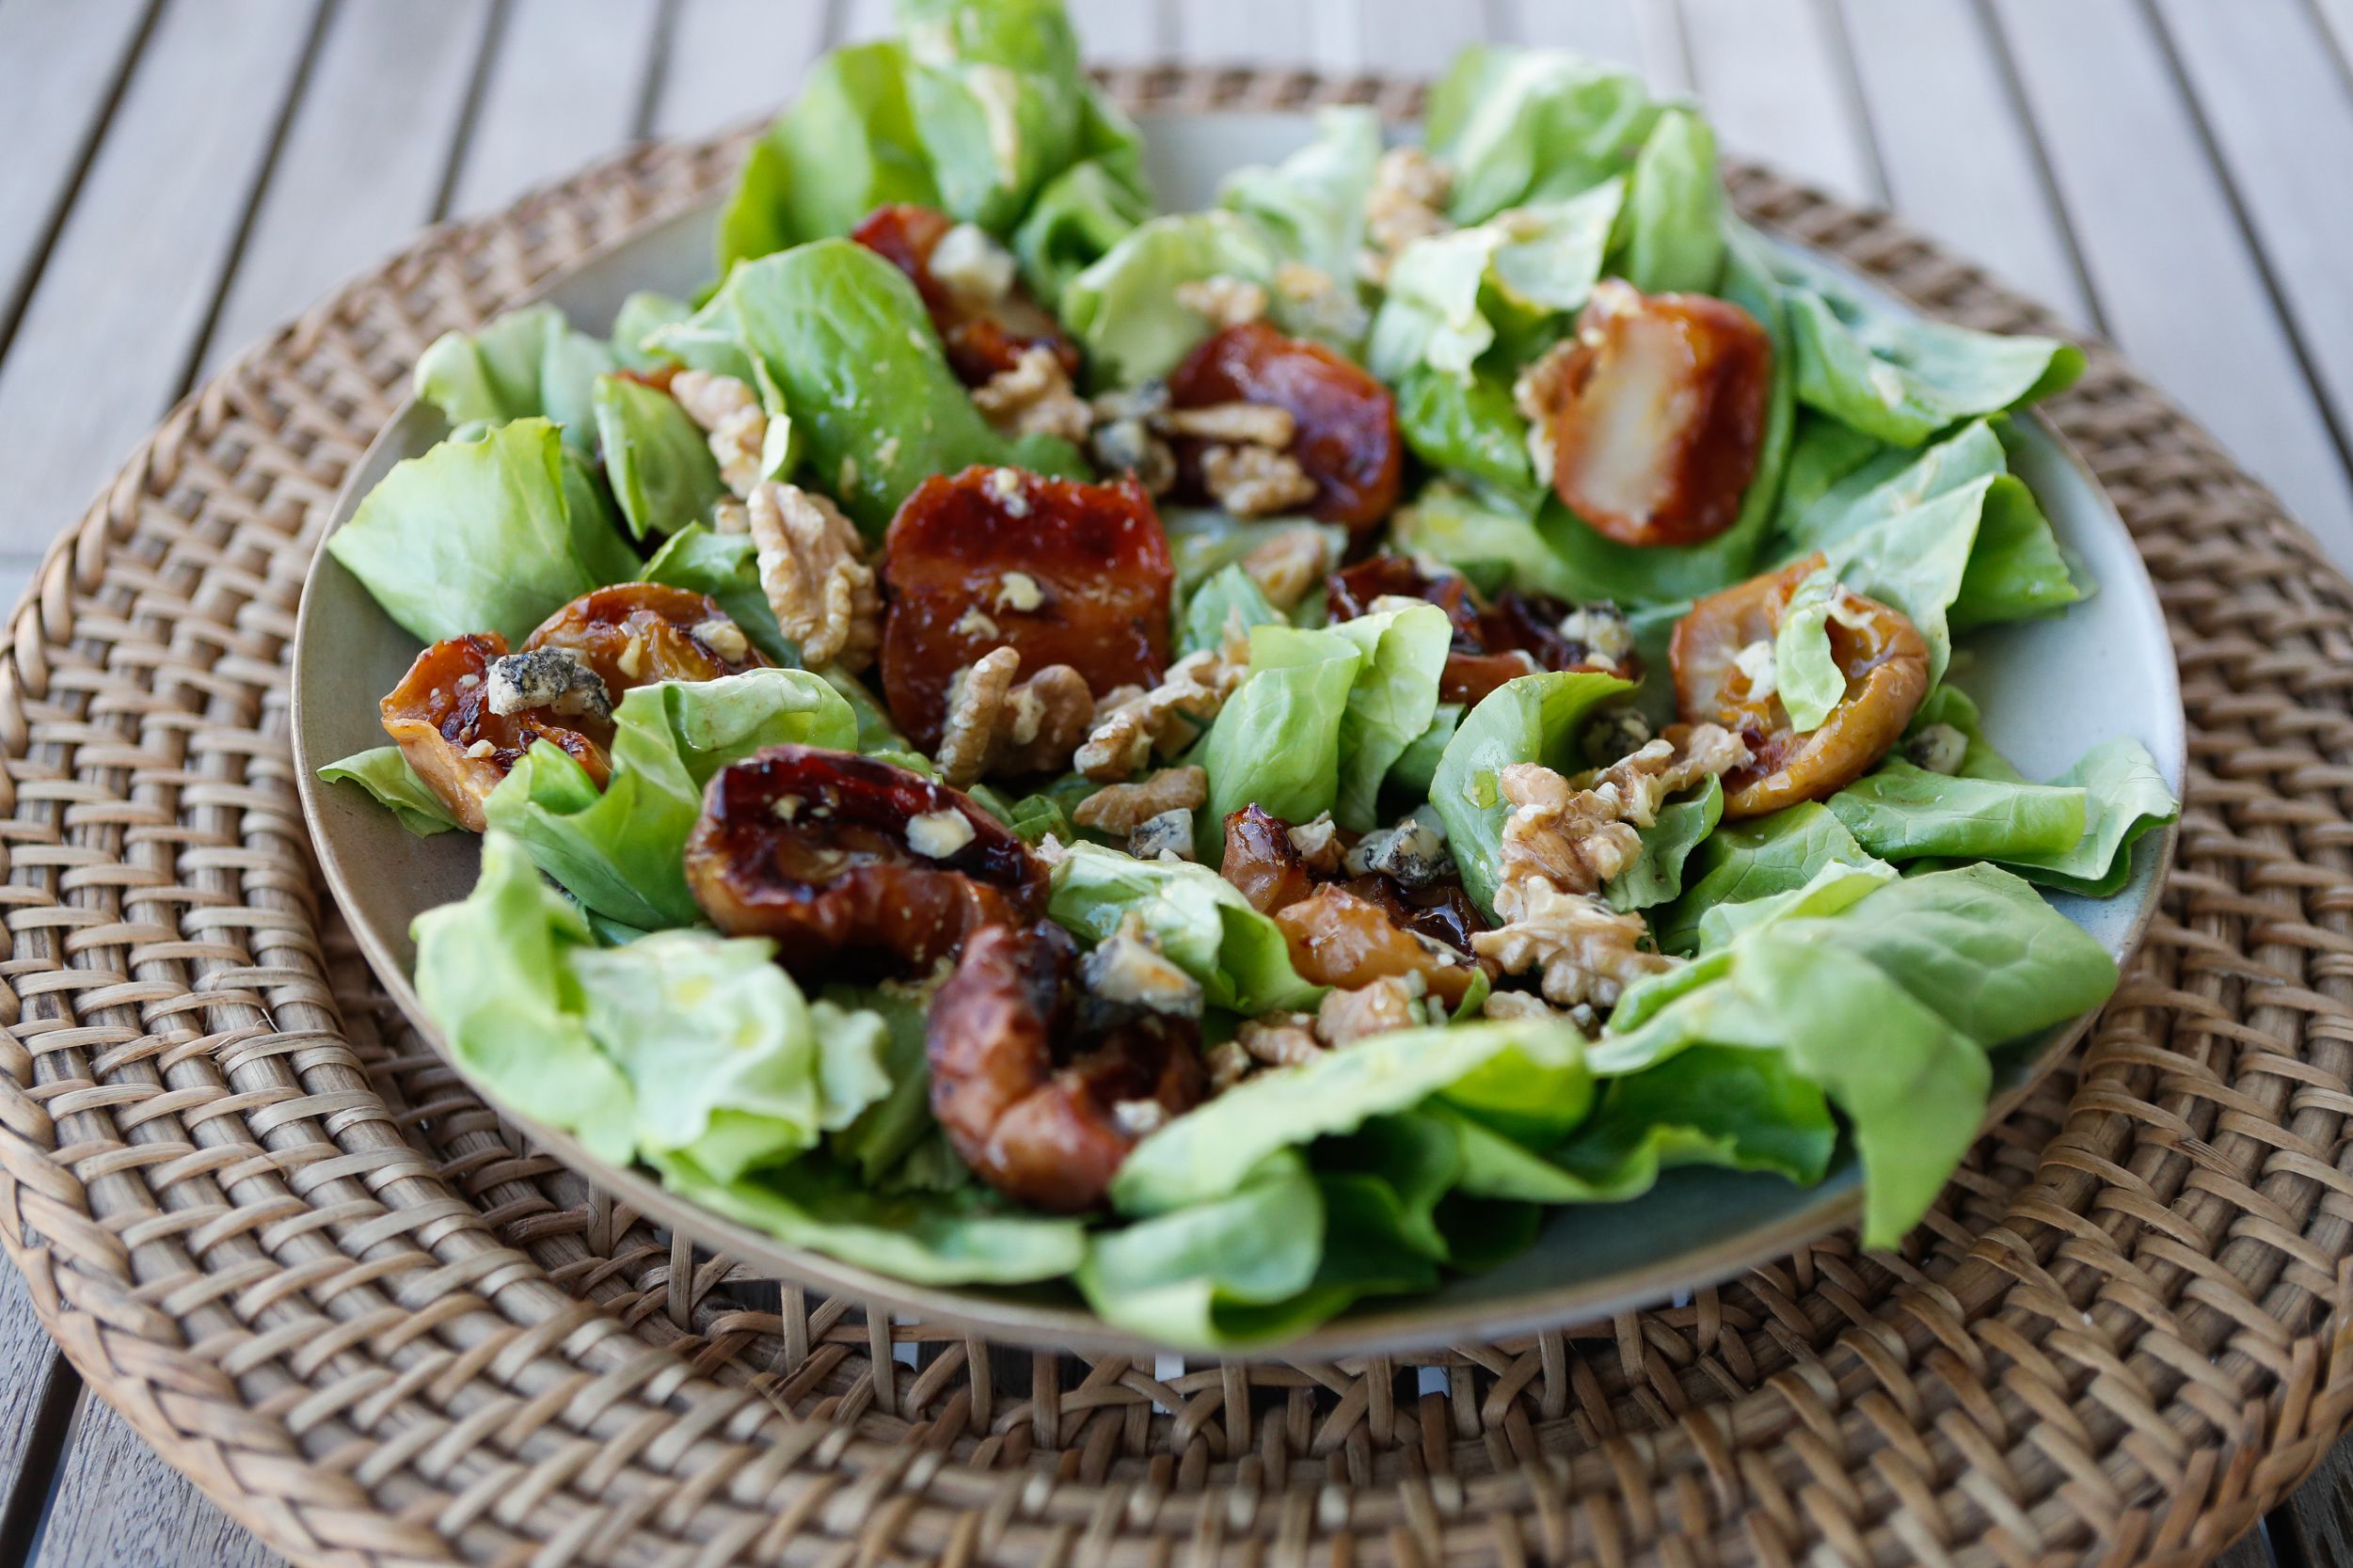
(730, 413)
(1034, 398)
(1241, 424)
(1225, 300)
(1406, 202)
(1392, 1001)
(1132, 724)
(997, 726)
(1289, 564)
(1254, 481)
(1123, 808)
(813, 570)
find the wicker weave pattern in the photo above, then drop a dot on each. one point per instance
(275, 1233)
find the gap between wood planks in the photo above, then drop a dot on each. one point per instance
(1820, 88)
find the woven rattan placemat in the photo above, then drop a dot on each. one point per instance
(281, 1238)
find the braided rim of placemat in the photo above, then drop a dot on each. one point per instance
(276, 1233)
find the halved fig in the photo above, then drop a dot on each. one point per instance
(1347, 441)
(852, 865)
(1339, 939)
(1519, 634)
(1060, 571)
(985, 331)
(1658, 414)
(439, 715)
(1262, 863)
(1877, 648)
(1040, 1112)
(634, 634)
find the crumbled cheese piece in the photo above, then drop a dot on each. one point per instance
(1412, 853)
(975, 623)
(1600, 627)
(937, 834)
(724, 638)
(1755, 663)
(468, 681)
(969, 263)
(1167, 836)
(556, 679)
(1127, 445)
(481, 749)
(1938, 748)
(1019, 591)
(632, 660)
(1006, 486)
(786, 808)
(1138, 1118)
(1618, 732)
(1128, 967)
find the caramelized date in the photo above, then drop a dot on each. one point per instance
(1880, 652)
(1339, 939)
(1517, 635)
(1659, 414)
(853, 865)
(438, 715)
(983, 338)
(1441, 911)
(1033, 1110)
(634, 634)
(1347, 440)
(1262, 863)
(1060, 571)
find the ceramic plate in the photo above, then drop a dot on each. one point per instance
(2049, 688)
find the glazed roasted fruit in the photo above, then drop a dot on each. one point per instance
(1061, 572)
(987, 322)
(1519, 634)
(1724, 643)
(1345, 441)
(1042, 1109)
(1658, 414)
(1262, 863)
(1340, 938)
(852, 865)
(634, 634)
(442, 717)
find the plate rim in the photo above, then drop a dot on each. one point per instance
(1385, 1324)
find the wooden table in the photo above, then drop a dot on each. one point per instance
(182, 174)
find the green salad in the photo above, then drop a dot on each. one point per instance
(1231, 758)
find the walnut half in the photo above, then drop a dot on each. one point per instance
(997, 726)
(813, 573)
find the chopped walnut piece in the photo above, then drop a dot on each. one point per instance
(1123, 808)
(1034, 398)
(997, 726)
(1131, 724)
(1229, 1064)
(1561, 844)
(730, 411)
(813, 571)
(1392, 1001)
(1516, 1005)
(1227, 301)
(1406, 203)
(1540, 390)
(1291, 562)
(1279, 1040)
(730, 517)
(1253, 480)
(1248, 425)
(1317, 840)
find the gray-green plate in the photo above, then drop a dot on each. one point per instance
(2050, 689)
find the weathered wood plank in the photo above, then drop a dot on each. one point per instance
(2274, 98)
(37, 1392)
(58, 67)
(866, 19)
(1413, 38)
(1248, 32)
(1776, 84)
(1959, 160)
(1123, 32)
(117, 1503)
(363, 160)
(566, 84)
(1607, 29)
(729, 59)
(2173, 275)
(2315, 1525)
(112, 324)
(2250, 1550)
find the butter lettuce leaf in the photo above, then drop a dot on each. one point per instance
(1518, 125)
(998, 97)
(384, 772)
(1670, 232)
(525, 364)
(1391, 701)
(1123, 309)
(1533, 718)
(1657, 874)
(482, 535)
(1277, 741)
(656, 459)
(619, 850)
(1201, 922)
(846, 145)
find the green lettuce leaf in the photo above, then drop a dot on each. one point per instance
(999, 100)
(1201, 922)
(1390, 704)
(847, 146)
(1533, 718)
(659, 463)
(924, 1238)
(1527, 125)
(845, 337)
(1670, 233)
(1204, 541)
(729, 1064)
(1469, 427)
(1232, 594)
(1741, 861)
(619, 850)
(890, 1127)
(481, 536)
(384, 773)
(1902, 813)
(726, 567)
(1082, 213)
(1123, 307)
(1806, 672)
(1736, 1107)
(525, 364)
(1412, 775)
(1312, 204)
(643, 315)
(1495, 547)
(493, 974)
(1529, 1076)
(1899, 377)
(1233, 1270)
(1657, 874)
(1277, 740)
